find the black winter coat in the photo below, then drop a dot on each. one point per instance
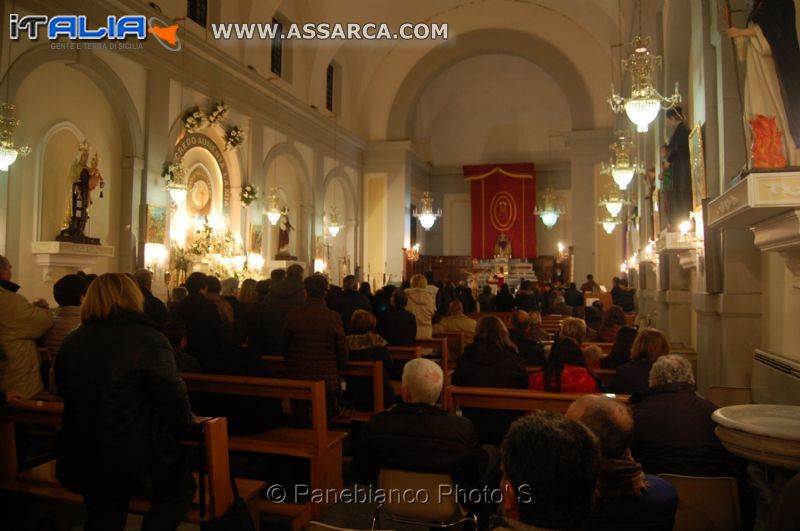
(282, 297)
(420, 438)
(124, 406)
(346, 304)
(531, 351)
(201, 318)
(484, 365)
(398, 327)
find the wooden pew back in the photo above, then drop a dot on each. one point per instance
(511, 399)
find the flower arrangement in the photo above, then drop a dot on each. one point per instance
(218, 113)
(193, 119)
(180, 259)
(172, 172)
(233, 137)
(249, 194)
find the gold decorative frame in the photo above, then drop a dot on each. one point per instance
(156, 228)
(698, 167)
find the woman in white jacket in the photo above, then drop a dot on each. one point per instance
(422, 304)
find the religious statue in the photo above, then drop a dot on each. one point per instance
(769, 44)
(283, 238)
(680, 169)
(502, 247)
(86, 179)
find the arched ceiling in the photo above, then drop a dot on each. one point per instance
(571, 40)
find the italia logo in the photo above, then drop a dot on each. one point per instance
(76, 28)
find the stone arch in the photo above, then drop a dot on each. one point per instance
(295, 158)
(101, 75)
(338, 174)
(480, 42)
(51, 131)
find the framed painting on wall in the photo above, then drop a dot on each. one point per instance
(156, 224)
(256, 238)
(698, 166)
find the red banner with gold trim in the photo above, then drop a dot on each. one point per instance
(503, 199)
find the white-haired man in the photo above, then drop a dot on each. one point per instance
(674, 434)
(418, 436)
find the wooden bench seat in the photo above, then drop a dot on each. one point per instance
(359, 369)
(321, 446)
(41, 480)
(511, 399)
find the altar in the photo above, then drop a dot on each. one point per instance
(497, 271)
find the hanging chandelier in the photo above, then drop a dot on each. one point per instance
(175, 175)
(427, 216)
(548, 209)
(613, 201)
(609, 224)
(620, 167)
(333, 223)
(274, 211)
(8, 123)
(644, 103)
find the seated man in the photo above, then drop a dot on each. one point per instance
(674, 434)
(626, 498)
(457, 322)
(418, 436)
(559, 307)
(536, 331)
(550, 468)
(530, 350)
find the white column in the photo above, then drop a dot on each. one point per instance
(587, 149)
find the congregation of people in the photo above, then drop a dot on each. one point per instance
(115, 351)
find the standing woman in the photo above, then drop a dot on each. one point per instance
(124, 410)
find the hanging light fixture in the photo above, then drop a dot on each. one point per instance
(548, 208)
(427, 216)
(176, 186)
(609, 224)
(613, 201)
(644, 102)
(8, 123)
(273, 210)
(620, 167)
(333, 223)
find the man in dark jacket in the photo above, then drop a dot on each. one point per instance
(283, 296)
(201, 318)
(154, 308)
(417, 436)
(532, 352)
(572, 296)
(674, 433)
(397, 325)
(314, 339)
(559, 307)
(349, 301)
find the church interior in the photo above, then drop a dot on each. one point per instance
(521, 165)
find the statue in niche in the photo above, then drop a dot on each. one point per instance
(85, 180)
(502, 247)
(283, 238)
(769, 45)
(680, 169)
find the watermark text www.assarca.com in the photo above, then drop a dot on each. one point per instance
(327, 31)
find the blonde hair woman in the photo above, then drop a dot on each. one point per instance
(422, 304)
(124, 410)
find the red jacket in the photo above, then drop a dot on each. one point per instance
(574, 379)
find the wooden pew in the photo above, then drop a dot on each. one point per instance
(605, 347)
(455, 342)
(511, 399)
(322, 447)
(361, 369)
(41, 481)
(503, 316)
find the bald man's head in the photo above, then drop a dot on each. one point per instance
(610, 420)
(520, 320)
